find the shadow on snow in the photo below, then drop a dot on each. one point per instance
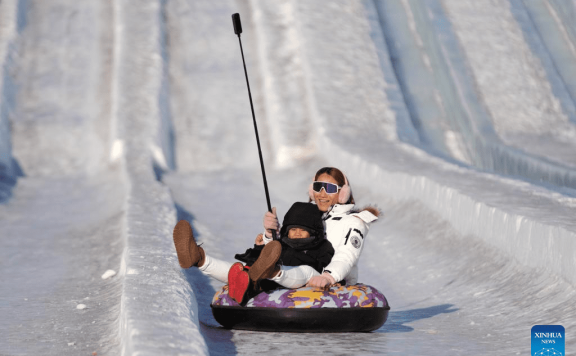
(397, 319)
(218, 339)
(8, 179)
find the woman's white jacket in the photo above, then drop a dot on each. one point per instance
(347, 231)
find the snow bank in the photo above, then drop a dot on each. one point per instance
(503, 219)
(11, 21)
(537, 232)
(159, 314)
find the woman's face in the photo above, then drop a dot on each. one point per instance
(298, 233)
(324, 200)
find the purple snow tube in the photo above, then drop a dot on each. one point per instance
(356, 308)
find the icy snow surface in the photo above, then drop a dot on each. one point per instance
(456, 117)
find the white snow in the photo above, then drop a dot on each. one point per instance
(109, 273)
(510, 77)
(455, 117)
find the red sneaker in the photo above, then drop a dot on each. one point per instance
(238, 282)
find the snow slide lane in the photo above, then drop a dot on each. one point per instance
(511, 57)
(448, 111)
(459, 250)
(90, 128)
(61, 230)
(445, 300)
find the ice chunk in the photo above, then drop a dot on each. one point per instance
(109, 273)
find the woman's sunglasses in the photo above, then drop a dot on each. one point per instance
(330, 188)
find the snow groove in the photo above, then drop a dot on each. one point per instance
(283, 87)
(546, 30)
(207, 86)
(350, 71)
(527, 103)
(452, 118)
(158, 308)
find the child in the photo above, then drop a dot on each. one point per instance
(302, 239)
(302, 243)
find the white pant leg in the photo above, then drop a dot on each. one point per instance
(295, 277)
(216, 268)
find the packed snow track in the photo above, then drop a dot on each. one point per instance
(118, 118)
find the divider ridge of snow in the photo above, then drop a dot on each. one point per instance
(159, 311)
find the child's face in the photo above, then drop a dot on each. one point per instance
(298, 233)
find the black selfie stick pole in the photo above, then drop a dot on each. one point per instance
(238, 31)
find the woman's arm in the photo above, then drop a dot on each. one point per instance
(347, 237)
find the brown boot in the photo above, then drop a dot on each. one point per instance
(189, 253)
(265, 266)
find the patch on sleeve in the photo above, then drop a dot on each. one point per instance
(355, 241)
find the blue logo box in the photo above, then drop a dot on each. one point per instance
(548, 340)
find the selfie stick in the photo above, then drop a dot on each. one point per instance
(238, 31)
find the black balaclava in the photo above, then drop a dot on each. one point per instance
(306, 216)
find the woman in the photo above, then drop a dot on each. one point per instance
(345, 229)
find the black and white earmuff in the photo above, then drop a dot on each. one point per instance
(344, 191)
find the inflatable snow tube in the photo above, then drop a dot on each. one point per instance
(356, 308)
